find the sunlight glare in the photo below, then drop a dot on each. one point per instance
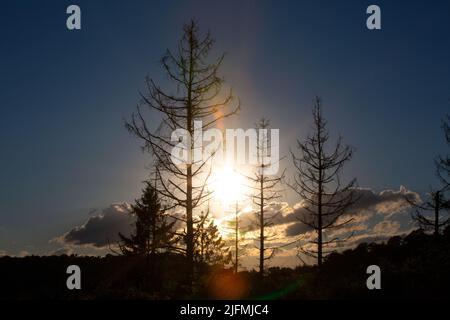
(228, 185)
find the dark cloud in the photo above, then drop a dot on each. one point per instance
(370, 203)
(296, 228)
(62, 251)
(277, 212)
(387, 227)
(102, 229)
(387, 203)
(382, 232)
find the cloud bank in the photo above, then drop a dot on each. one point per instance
(376, 217)
(101, 229)
(386, 203)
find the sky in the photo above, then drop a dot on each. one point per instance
(65, 94)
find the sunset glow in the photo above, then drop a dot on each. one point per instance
(228, 185)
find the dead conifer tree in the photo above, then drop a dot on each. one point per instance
(317, 182)
(196, 95)
(266, 190)
(437, 205)
(443, 162)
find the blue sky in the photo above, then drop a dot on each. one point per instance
(64, 94)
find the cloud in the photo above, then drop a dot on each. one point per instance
(20, 254)
(370, 208)
(23, 253)
(376, 216)
(386, 203)
(277, 212)
(296, 229)
(374, 219)
(101, 229)
(379, 235)
(387, 227)
(62, 251)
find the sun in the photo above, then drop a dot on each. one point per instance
(228, 186)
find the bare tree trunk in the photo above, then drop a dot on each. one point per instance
(236, 244)
(261, 223)
(319, 230)
(319, 201)
(436, 214)
(189, 216)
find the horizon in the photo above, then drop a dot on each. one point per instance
(67, 159)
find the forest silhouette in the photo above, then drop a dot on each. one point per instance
(184, 255)
(413, 266)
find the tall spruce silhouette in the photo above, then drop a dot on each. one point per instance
(196, 95)
(153, 232)
(318, 183)
(210, 248)
(236, 234)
